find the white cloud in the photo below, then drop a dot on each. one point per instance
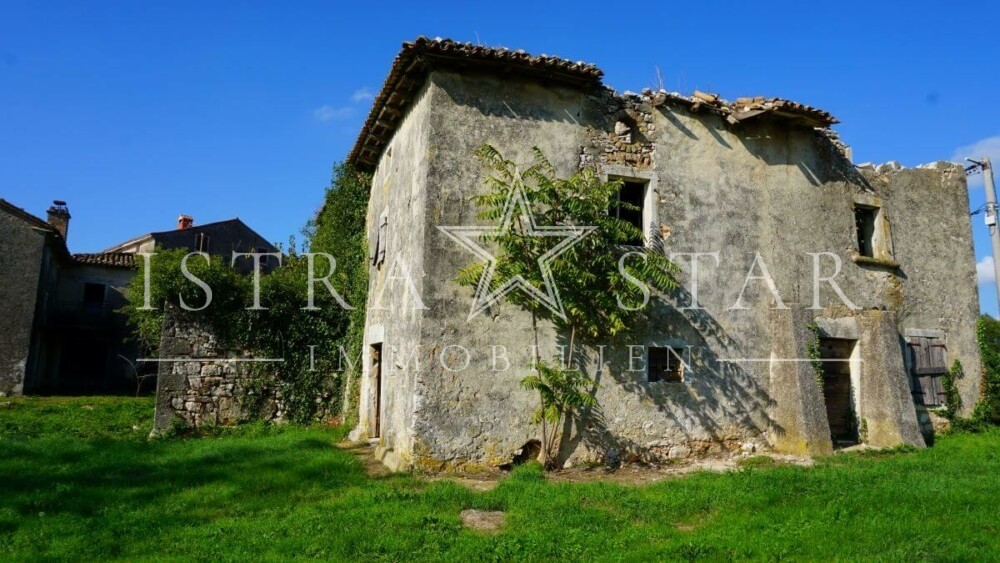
(327, 113)
(985, 272)
(990, 146)
(362, 95)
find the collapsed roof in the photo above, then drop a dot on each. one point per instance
(416, 58)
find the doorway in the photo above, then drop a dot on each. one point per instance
(838, 391)
(376, 371)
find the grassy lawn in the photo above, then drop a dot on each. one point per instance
(78, 479)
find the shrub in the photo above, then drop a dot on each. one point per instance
(309, 340)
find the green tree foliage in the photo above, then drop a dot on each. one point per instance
(598, 297)
(987, 410)
(309, 380)
(596, 278)
(339, 230)
(953, 401)
(168, 284)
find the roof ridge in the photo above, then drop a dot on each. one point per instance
(409, 68)
(401, 83)
(23, 214)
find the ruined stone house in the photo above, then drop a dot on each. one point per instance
(756, 176)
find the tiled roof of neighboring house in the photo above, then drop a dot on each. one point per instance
(114, 259)
(409, 69)
(22, 214)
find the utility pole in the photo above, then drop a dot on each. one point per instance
(986, 166)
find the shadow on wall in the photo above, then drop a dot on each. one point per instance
(703, 413)
(771, 144)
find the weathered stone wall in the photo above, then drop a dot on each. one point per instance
(764, 187)
(21, 258)
(200, 383)
(398, 198)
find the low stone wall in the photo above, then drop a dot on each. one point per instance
(199, 382)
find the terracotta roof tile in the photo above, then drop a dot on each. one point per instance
(114, 259)
(416, 58)
(410, 67)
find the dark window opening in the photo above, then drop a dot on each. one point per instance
(632, 194)
(93, 293)
(665, 364)
(864, 221)
(928, 365)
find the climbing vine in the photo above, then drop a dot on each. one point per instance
(987, 410)
(310, 380)
(813, 353)
(953, 401)
(339, 229)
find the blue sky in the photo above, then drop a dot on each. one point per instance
(135, 112)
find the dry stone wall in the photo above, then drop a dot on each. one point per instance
(200, 382)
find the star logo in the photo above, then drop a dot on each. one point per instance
(516, 208)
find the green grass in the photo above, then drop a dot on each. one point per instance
(80, 482)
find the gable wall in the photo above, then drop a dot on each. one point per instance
(21, 257)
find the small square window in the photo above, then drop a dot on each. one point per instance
(864, 221)
(665, 364)
(633, 194)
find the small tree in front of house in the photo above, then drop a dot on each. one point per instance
(598, 278)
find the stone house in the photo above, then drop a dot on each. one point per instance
(64, 335)
(762, 182)
(61, 331)
(220, 238)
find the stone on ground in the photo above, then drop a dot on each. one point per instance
(489, 521)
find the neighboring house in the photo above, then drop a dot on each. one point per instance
(221, 238)
(61, 332)
(758, 175)
(57, 309)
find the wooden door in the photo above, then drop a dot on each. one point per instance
(376, 371)
(837, 391)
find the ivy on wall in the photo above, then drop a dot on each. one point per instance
(339, 229)
(311, 379)
(813, 352)
(987, 410)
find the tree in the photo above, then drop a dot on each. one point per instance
(598, 279)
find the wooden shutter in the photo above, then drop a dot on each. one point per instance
(929, 364)
(383, 228)
(376, 253)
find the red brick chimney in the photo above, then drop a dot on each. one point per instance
(59, 217)
(184, 222)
